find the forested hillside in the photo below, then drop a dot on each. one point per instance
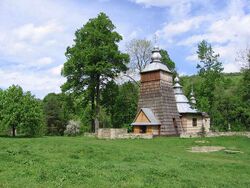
(230, 109)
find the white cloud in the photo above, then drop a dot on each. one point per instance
(44, 61)
(231, 67)
(227, 30)
(192, 58)
(174, 29)
(30, 32)
(227, 36)
(231, 29)
(176, 9)
(160, 3)
(33, 38)
(39, 83)
(56, 70)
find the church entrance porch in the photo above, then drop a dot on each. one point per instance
(146, 123)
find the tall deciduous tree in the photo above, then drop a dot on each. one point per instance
(139, 51)
(92, 60)
(209, 62)
(20, 110)
(209, 70)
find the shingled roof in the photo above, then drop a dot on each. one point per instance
(183, 104)
(150, 115)
(155, 64)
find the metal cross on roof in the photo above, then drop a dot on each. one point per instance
(155, 39)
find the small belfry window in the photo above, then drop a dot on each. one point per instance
(194, 122)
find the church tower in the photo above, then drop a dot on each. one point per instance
(157, 111)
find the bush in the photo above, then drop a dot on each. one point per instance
(73, 128)
(128, 127)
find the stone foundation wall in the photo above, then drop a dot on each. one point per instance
(134, 136)
(215, 134)
(107, 133)
(110, 133)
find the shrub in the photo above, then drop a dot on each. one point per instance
(73, 128)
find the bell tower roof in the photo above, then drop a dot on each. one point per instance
(155, 64)
(156, 56)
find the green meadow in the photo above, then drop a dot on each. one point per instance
(90, 162)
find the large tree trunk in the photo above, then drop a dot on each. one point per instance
(13, 131)
(97, 112)
(92, 112)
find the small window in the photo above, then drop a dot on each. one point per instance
(194, 122)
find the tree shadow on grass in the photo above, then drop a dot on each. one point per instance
(19, 136)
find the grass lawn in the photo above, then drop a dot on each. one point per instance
(89, 162)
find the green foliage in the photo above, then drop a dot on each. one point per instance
(93, 59)
(229, 109)
(1, 105)
(209, 71)
(209, 63)
(246, 86)
(109, 98)
(90, 162)
(245, 93)
(167, 61)
(55, 114)
(86, 119)
(33, 117)
(20, 112)
(118, 106)
(125, 105)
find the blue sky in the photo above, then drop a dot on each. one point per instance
(35, 33)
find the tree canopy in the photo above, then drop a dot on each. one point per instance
(209, 70)
(20, 112)
(139, 51)
(165, 59)
(55, 115)
(93, 60)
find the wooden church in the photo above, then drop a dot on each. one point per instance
(163, 109)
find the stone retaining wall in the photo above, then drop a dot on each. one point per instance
(134, 136)
(110, 133)
(215, 134)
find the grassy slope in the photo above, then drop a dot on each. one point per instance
(89, 162)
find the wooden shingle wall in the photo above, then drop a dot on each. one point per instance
(156, 93)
